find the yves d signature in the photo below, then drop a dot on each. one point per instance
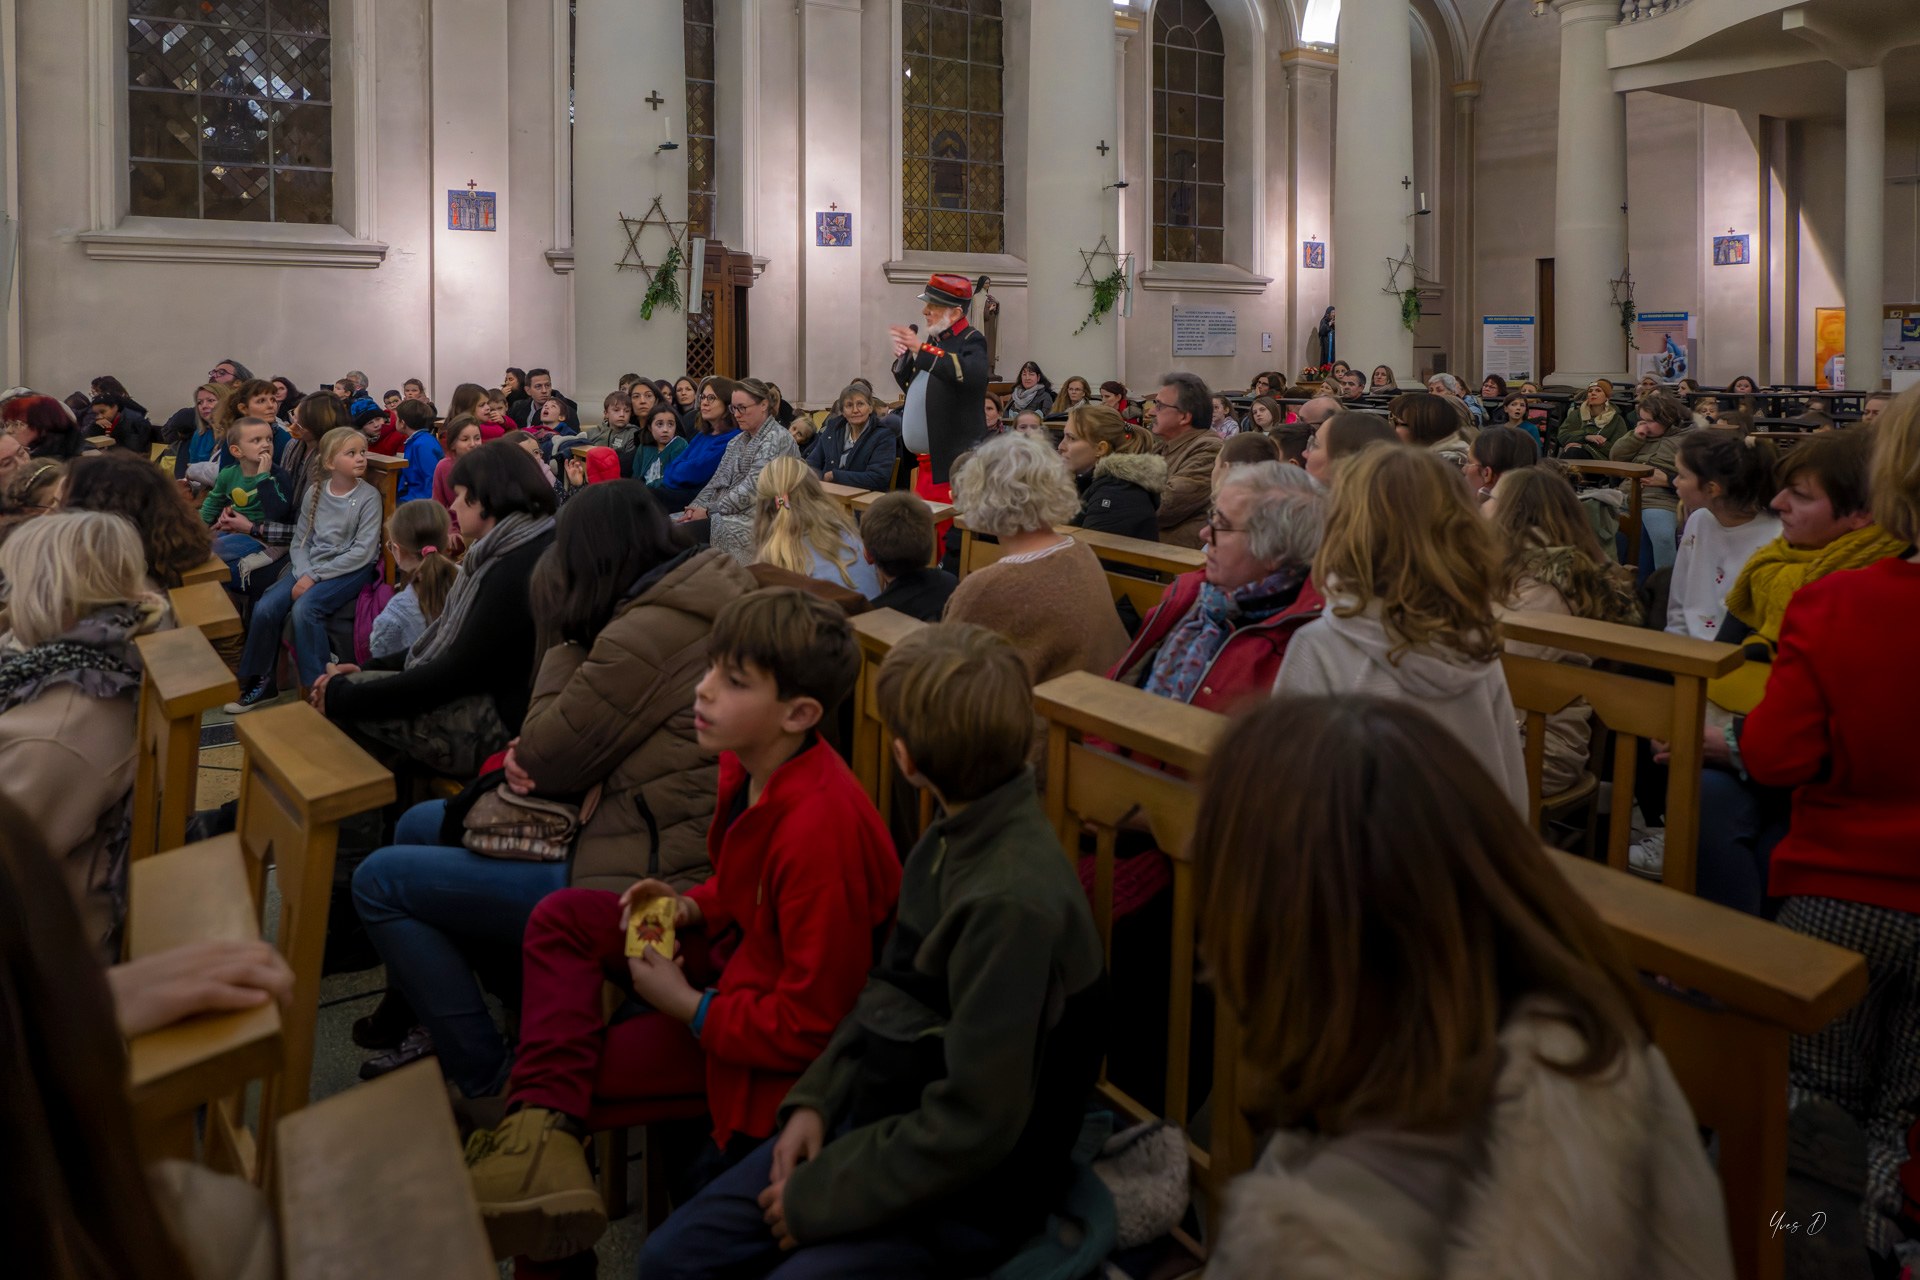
(1779, 1222)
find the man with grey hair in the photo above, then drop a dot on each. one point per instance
(1318, 410)
(1218, 635)
(1182, 420)
(358, 379)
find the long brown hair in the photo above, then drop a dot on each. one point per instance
(77, 1205)
(171, 533)
(1535, 510)
(1097, 425)
(1405, 532)
(422, 528)
(1372, 932)
(233, 406)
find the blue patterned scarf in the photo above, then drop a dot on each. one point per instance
(1197, 639)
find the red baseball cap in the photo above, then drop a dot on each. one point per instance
(948, 290)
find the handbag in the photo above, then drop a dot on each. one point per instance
(504, 824)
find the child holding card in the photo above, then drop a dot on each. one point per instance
(743, 978)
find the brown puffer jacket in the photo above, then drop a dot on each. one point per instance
(622, 714)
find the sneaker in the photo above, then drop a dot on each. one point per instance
(253, 697)
(1648, 857)
(536, 1195)
(413, 1046)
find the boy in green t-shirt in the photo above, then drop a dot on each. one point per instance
(251, 491)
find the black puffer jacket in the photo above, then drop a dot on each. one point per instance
(1122, 495)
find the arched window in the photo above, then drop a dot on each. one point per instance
(1189, 133)
(951, 174)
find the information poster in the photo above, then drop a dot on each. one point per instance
(1205, 331)
(1666, 344)
(1506, 347)
(1899, 346)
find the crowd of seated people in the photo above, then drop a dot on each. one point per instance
(893, 1047)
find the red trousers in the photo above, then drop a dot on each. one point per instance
(570, 1059)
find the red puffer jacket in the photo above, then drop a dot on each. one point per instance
(806, 881)
(1247, 663)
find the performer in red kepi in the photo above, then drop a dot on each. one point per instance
(945, 378)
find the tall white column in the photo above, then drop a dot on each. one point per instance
(1310, 91)
(624, 53)
(1374, 156)
(830, 176)
(1589, 227)
(1466, 318)
(1069, 114)
(1866, 222)
(470, 142)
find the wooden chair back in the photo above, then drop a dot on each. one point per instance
(1089, 786)
(383, 473)
(372, 1182)
(207, 608)
(1154, 564)
(1634, 474)
(214, 570)
(183, 678)
(1661, 695)
(1727, 991)
(876, 632)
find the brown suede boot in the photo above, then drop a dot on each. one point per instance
(530, 1177)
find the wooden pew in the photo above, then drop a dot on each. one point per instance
(1635, 474)
(383, 473)
(1735, 988)
(198, 893)
(214, 570)
(207, 608)
(865, 498)
(1632, 705)
(183, 678)
(1162, 562)
(371, 1182)
(876, 632)
(300, 778)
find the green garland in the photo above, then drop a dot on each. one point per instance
(1410, 309)
(1628, 314)
(1106, 292)
(665, 285)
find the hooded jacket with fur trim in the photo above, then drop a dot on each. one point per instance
(1601, 1178)
(1122, 496)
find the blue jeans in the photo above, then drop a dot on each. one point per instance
(721, 1234)
(232, 548)
(1660, 533)
(422, 901)
(310, 613)
(1740, 822)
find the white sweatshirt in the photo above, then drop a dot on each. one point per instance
(1710, 560)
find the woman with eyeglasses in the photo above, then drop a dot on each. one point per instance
(714, 430)
(726, 502)
(34, 490)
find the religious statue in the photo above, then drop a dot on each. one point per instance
(989, 325)
(1323, 336)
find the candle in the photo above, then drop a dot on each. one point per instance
(1423, 202)
(666, 131)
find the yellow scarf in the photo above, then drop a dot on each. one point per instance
(1760, 596)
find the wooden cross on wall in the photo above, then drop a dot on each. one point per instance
(653, 100)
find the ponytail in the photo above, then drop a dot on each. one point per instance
(423, 528)
(1743, 467)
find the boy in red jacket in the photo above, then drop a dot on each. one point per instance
(779, 940)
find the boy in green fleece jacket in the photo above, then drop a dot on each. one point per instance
(932, 1136)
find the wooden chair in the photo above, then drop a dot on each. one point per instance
(876, 632)
(183, 678)
(1730, 990)
(300, 778)
(1635, 474)
(372, 1182)
(942, 511)
(207, 608)
(383, 473)
(214, 570)
(1632, 704)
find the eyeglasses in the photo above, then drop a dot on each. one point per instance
(707, 397)
(1218, 526)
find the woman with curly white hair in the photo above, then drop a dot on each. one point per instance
(1445, 384)
(1047, 594)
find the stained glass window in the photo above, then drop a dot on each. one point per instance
(951, 170)
(701, 182)
(229, 110)
(1189, 133)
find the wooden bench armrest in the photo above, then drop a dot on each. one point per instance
(186, 675)
(844, 494)
(1601, 467)
(371, 1182)
(1169, 731)
(1749, 964)
(207, 608)
(383, 462)
(1157, 556)
(196, 893)
(942, 511)
(1639, 646)
(323, 774)
(878, 630)
(214, 570)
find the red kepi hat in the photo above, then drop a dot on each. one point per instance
(948, 291)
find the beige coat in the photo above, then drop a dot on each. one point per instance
(1576, 1179)
(1189, 489)
(622, 714)
(67, 760)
